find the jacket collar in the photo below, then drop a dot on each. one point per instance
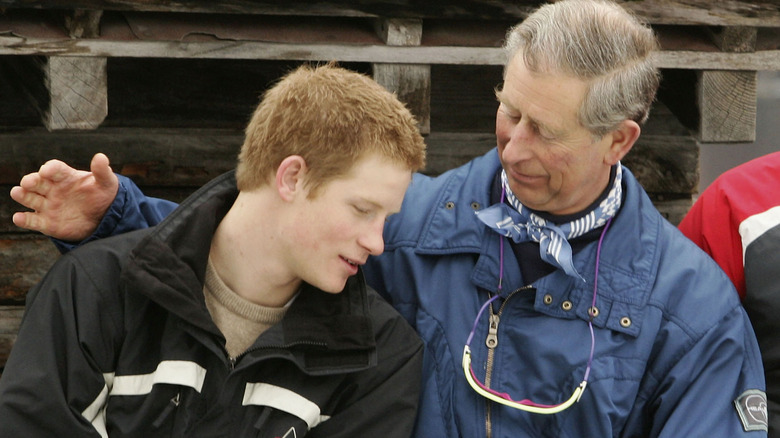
(629, 256)
(320, 330)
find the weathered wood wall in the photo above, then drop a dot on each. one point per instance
(165, 88)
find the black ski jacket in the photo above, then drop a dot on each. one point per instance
(117, 341)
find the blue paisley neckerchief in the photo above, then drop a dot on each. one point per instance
(522, 225)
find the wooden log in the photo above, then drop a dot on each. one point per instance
(673, 210)
(24, 259)
(166, 157)
(662, 164)
(10, 320)
(190, 158)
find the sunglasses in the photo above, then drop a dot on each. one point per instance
(504, 398)
(526, 404)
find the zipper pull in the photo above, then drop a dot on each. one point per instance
(169, 408)
(492, 337)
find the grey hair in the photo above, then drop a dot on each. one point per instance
(599, 42)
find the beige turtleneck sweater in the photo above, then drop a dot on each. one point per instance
(241, 321)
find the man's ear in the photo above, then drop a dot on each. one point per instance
(290, 176)
(622, 140)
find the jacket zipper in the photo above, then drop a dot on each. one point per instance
(492, 342)
(232, 361)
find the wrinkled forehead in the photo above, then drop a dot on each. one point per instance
(550, 98)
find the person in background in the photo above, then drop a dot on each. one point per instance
(245, 312)
(736, 220)
(552, 297)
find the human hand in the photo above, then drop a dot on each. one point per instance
(68, 204)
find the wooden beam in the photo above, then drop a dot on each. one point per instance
(757, 13)
(727, 99)
(410, 82)
(68, 92)
(727, 104)
(83, 23)
(739, 39)
(78, 93)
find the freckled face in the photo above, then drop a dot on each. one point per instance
(338, 229)
(551, 161)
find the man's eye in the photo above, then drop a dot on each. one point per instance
(542, 135)
(512, 115)
(360, 210)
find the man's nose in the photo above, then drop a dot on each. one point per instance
(372, 240)
(518, 142)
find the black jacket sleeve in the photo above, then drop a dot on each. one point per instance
(54, 383)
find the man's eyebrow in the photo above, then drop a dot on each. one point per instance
(362, 200)
(539, 125)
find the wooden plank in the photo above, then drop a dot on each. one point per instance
(10, 45)
(320, 39)
(704, 12)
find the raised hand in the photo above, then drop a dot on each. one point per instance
(68, 204)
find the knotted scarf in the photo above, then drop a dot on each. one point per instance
(522, 225)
